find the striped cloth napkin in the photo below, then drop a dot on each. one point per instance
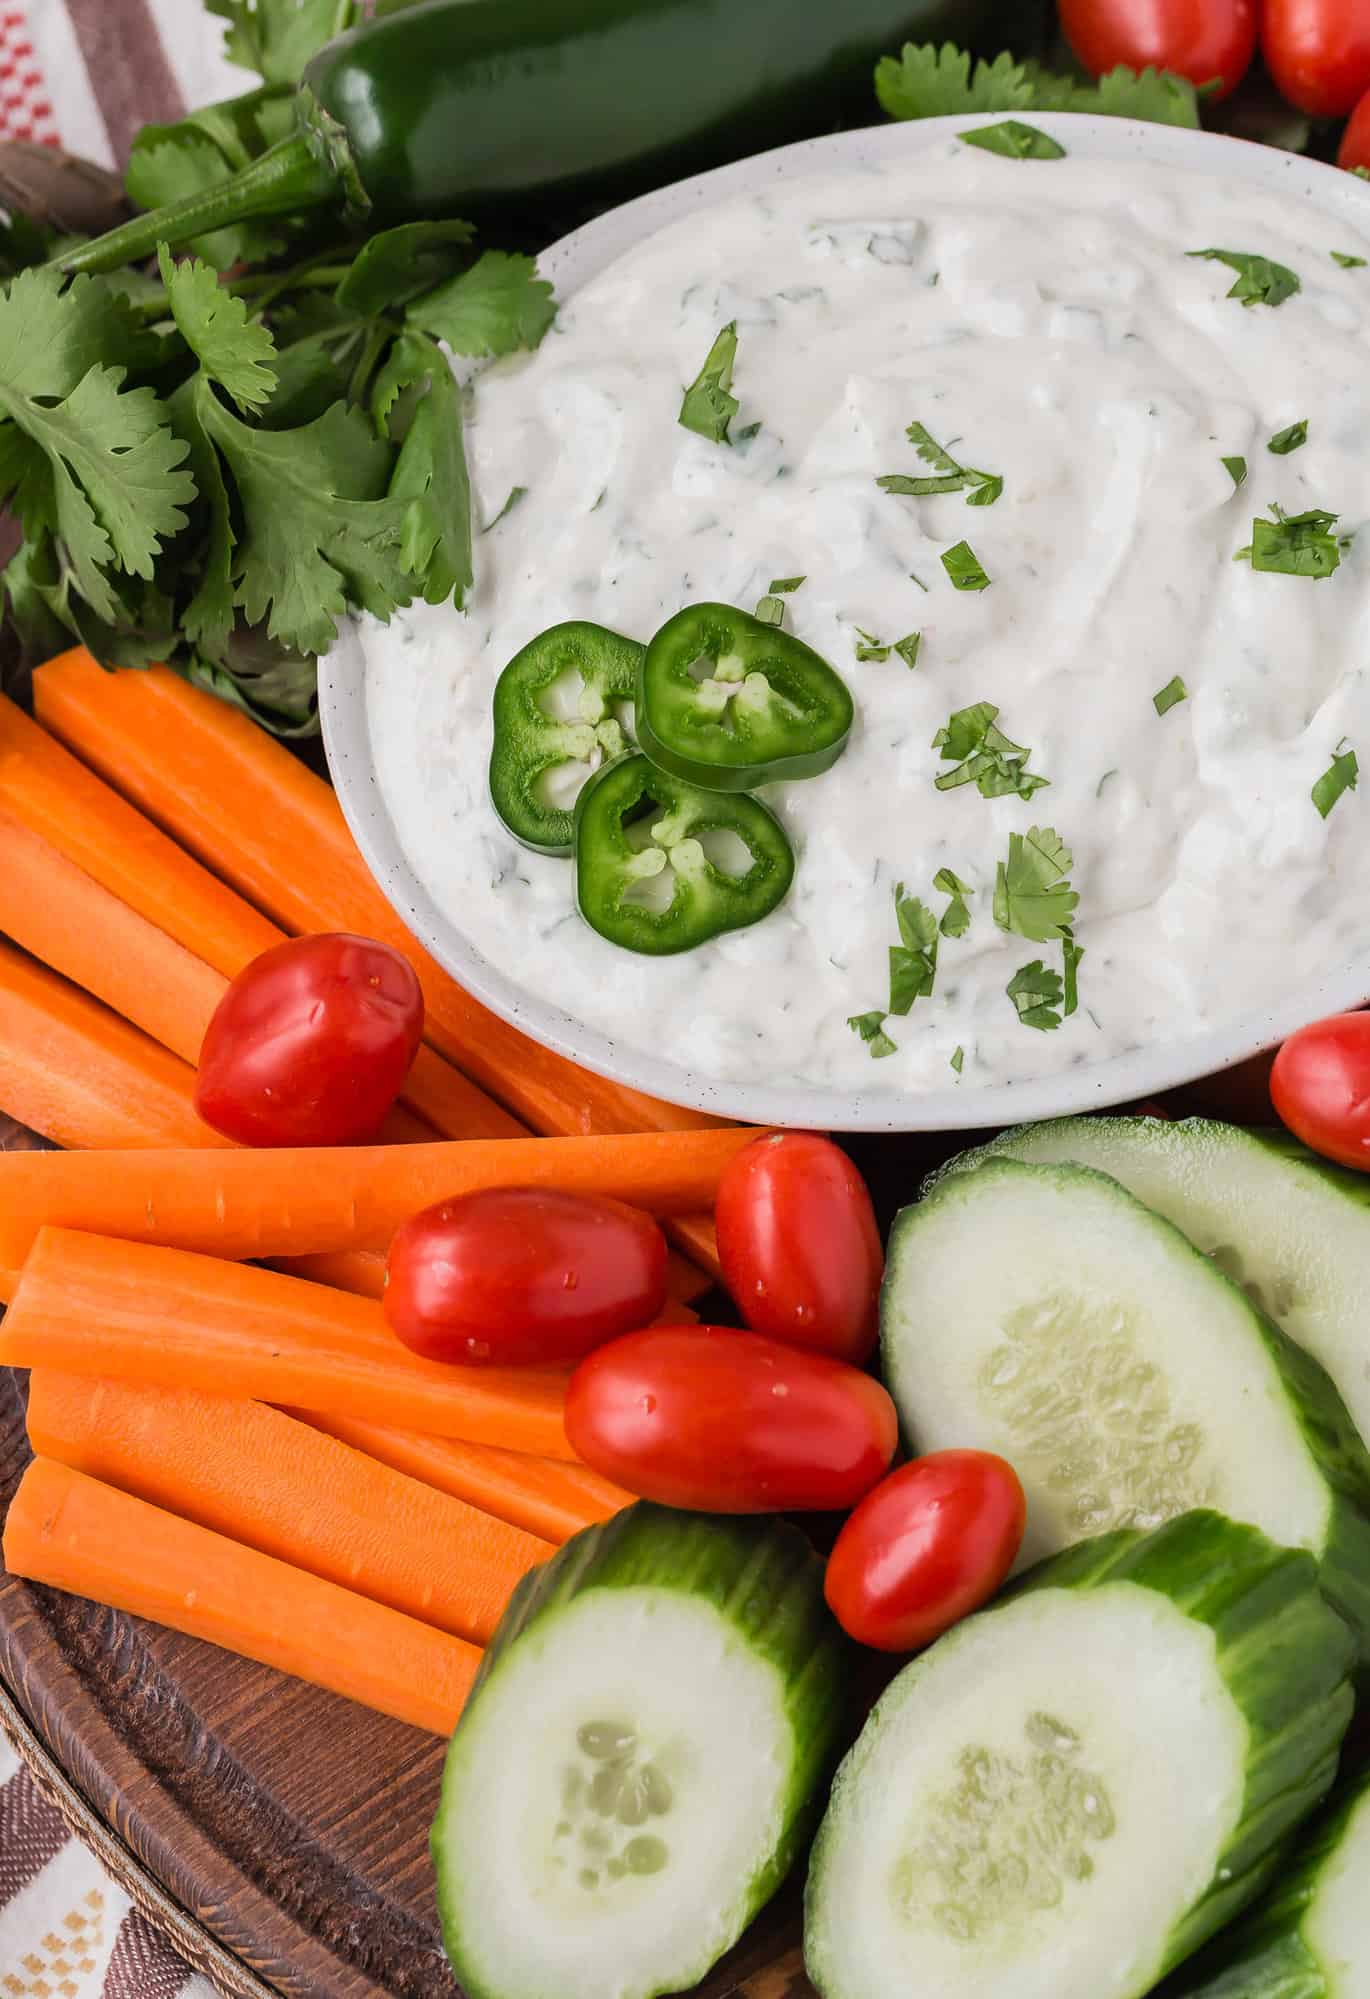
(85, 74)
(66, 1930)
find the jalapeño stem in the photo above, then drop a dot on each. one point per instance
(291, 176)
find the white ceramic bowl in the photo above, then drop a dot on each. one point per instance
(571, 263)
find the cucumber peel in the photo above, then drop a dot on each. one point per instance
(639, 1760)
(1070, 1792)
(1042, 1312)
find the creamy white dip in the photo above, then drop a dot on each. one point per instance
(1044, 322)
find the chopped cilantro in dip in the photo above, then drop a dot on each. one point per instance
(1341, 775)
(708, 407)
(1260, 280)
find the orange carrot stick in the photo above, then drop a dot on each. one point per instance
(59, 914)
(88, 1304)
(318, 1201)
(73, 1533)
(291, 1491)
(254, 813)
(548, 1498)
(75, 1073)
(45, 789)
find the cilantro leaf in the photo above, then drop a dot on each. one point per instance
(1347, 261)
(233, 350)
(1037, 995)
(913, 961)
(398, 264)
(871, 1028)
(1289, 439)
(963, 567)
(1015, 141)
(430, 473)
(209, 618)
(277, 38)
(1032, 895)
(80, 455)
(276, 687)
(1156, 96)
(958, 1060)
(1341, 775)
(496, 306)
(1237, 468)
(1260, 281)
(1170, 696)
(909, 647)
(956, 918)
(931, 82)
(1294, 544)
(950, 477)
(317, 529)
(984, 755)
(708, 407)
(867, 646)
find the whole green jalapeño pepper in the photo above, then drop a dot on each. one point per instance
(729, 703)
(493, 107)
(555, 721)
(644, 876)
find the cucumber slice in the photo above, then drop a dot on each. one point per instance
(633, 1773)
(1042, 1312)
(1291, 1229)
(1066, 1795)
(1310, 1939)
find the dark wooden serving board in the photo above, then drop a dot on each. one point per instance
(278, 1833)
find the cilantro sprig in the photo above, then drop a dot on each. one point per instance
(213, 472)
(928, 81)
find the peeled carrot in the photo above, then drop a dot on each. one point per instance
(291, 1491)
(114, 848)
(73, 1533)
(254, 813)
(548, 1498)
(318, 1201)
(62, 916)
(88, 1304)
(75, 1073)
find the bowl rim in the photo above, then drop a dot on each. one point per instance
(1136, 1074)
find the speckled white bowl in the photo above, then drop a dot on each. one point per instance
(1158, 1066)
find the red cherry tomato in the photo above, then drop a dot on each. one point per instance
(1318, 52)
(799, 1245)
(520, 1275)
(1321, 1087)
(311, 1043)
(1205, 40)
(1355, 140)
(718, 1421)
(929, 1545)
